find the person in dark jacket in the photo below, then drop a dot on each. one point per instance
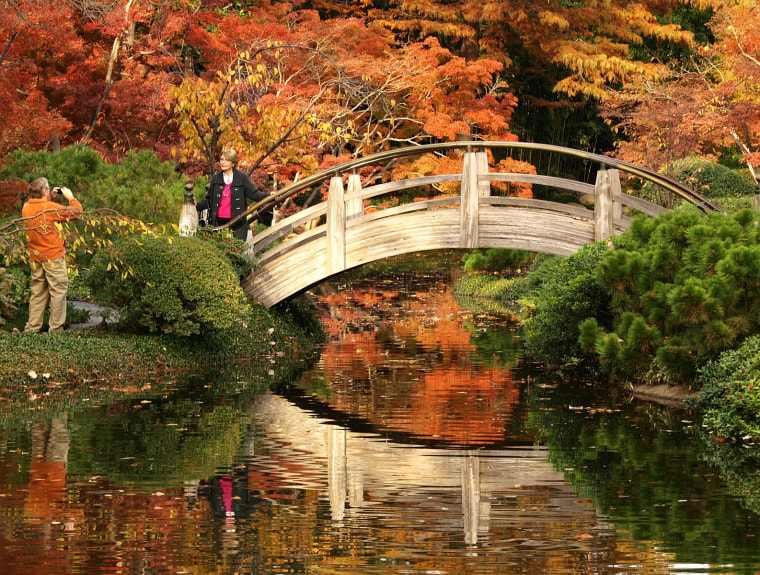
(227, 195)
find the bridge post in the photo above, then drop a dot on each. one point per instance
(604, 202)
(617, 194)
(354, 206)
(336, 227)
(469, 208)
(484, 186)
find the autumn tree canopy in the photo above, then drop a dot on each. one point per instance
(296, 86)
(705, 103)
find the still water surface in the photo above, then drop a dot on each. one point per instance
(417, 441)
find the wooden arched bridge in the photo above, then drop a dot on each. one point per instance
(348, 235)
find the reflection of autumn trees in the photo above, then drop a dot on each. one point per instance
(416, 373)
(128, 530)
(98, 524)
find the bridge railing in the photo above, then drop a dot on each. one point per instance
(608, 213)
(670, 185)
(341, 233)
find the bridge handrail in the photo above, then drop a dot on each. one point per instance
(269, 235)
(666, 182)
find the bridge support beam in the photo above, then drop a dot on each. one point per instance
(336, 227)
(469, 212)
(607, 205)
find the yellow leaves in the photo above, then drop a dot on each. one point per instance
(553, 20)
(496, 11)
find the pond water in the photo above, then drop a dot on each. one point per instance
(417, 441)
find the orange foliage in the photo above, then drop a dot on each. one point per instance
(586, 41)
(449, 398)
(10, 193)
(713, 104)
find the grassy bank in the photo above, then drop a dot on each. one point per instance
(30, 363)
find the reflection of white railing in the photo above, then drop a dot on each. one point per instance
(467, 490)
(345, 236)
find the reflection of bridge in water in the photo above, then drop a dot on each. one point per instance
(349, 235)
(511, 490)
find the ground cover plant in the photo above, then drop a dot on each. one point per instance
(105, 355)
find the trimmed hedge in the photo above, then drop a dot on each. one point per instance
(172, 285)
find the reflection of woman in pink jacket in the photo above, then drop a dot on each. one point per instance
(47, 253)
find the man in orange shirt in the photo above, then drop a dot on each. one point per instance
(47, 253)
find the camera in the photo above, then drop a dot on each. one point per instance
(57, 190)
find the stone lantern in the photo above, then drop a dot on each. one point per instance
(188, 218)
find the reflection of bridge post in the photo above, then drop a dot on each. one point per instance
(471, 503)
(336, 470)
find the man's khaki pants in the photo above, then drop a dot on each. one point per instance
(49, 280)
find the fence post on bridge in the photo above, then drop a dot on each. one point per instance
(336, 227)
(607, 205)
(484, 186)
(354, 206)
(469, 209)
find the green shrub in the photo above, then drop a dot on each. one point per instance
(684, 287)
(495, 260)
(730, 396)
(74, 167)
(712, 180)
(173, 285)
(14, 292)
(233, 249)
(139, 186)
(565, 292)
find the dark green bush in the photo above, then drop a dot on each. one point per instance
(173, 285)
(730, 396)
(565, 292)
(684, 287)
